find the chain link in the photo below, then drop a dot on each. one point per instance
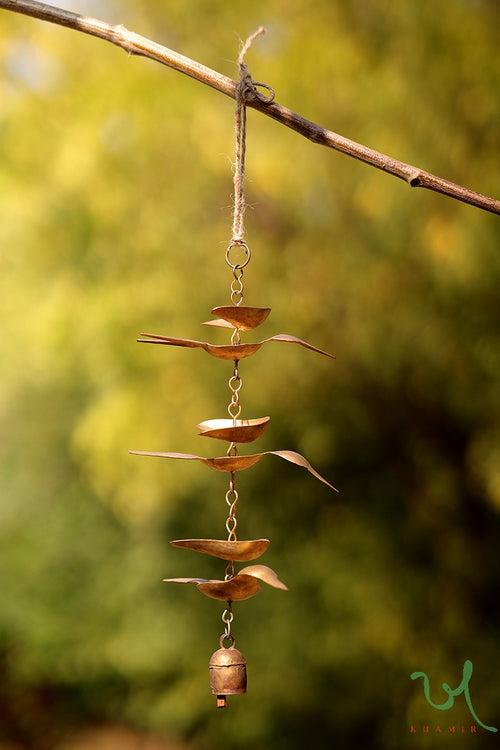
(237, 287)
(227, 619)
(235, 337)
(235, 384)
(234, 410)
(232, 503)
(239, 264)
(237, 269)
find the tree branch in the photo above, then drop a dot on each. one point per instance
(138, 45)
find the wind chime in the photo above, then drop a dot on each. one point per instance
(227, 665)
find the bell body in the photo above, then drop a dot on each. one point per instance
(228, 673)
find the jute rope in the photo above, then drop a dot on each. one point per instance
(246, 91)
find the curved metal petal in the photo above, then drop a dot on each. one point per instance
(244, 431)
(289, 339)
(224, 550)
(220, 351)
(299, 460)
(185, 580)
(264, 573)
(159, 454)
(230, 351)
(244, 318)
(234, 463)
(238, 463)
(242, 586)
(218, 323)
(221, 463)
(235, 589)
(171, 341)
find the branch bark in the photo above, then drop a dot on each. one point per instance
(138, 45)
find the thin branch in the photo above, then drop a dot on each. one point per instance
(138, 45)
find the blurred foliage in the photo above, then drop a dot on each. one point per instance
(115, 184)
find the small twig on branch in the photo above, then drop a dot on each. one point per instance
(138, 45)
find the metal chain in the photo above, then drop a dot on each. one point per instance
(237, 267)
(232, 502)
(227, 619)
(237, 288)
(234, 411)
(235, 383)
(231, 521)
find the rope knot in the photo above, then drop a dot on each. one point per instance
(247, 89)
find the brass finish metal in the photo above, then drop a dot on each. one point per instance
(230, 351)
(299, 460)
(264, 573)
(232, 497)
(243, 318)
(235, 431)
(243, 585)
(234, 263)
(235, 589)
(228, 674)
(238, 463)
(225, 550)
(222, 463)
(227, 665)
(219, 323)
(233, 463)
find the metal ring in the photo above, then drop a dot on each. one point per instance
(225, 637)
(247, 251)
(234, 412)
(235, 383)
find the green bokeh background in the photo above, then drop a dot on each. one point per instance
(115, 189)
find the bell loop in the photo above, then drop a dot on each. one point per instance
(227, 637)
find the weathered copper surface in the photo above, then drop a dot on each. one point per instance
(264, 573)
(243, 585)
(229, 351)
(218, 323)
(224, 550)
(296, 458)
(235, 589)
(221, 463)
(243, 318)
(238, 463)
(228, 676)
(244, 431)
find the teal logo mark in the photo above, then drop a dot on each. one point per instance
(452, 694)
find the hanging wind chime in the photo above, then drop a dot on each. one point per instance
(227, 665)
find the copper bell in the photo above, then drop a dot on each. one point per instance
(228, 672)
